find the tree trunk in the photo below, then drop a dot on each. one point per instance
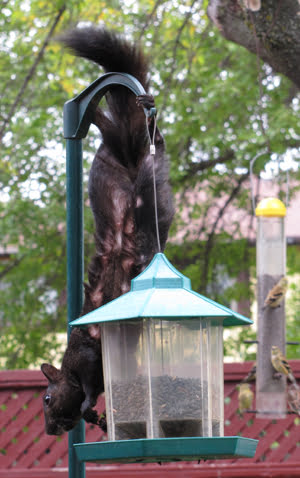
(270, 28)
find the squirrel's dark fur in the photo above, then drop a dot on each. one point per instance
(122, 200)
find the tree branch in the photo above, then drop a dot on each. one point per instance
(272, 31)
(11, 266)
(149, 18)
(209, 163)
(31, 72)
(210, 240)
(175, 46)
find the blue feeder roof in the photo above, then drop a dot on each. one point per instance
(161, 291)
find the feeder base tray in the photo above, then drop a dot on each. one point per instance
(166, 449)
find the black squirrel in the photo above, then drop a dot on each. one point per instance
(122, 200)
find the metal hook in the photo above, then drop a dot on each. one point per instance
(151, 113)
(251, 177)
(287, 193)
(252, 183)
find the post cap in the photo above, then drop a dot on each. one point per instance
(270, 207)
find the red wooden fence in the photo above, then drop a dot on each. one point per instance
(27, 452)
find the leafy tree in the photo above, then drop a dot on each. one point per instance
(216, 113)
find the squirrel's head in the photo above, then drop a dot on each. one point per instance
(62, 401)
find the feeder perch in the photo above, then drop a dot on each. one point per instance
(271, 267)
(162, 346)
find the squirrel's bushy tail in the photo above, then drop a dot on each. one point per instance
(123, 129)
(109, 50)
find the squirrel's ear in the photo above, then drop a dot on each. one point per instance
(51, 373)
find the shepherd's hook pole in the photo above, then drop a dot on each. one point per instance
(78, 115)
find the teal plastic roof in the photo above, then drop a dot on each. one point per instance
(161, 291)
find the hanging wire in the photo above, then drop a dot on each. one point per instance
(152, 154)
(251, 177)
(287, 194)
(287, 176)
(258, 47)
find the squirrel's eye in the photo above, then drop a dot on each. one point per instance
(47, 399)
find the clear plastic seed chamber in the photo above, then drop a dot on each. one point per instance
(164, 378)
(271, 242)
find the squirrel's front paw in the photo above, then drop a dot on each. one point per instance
(90, 416)
(147, 101)
(102, 422)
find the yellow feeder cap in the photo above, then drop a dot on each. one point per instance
(270, 207)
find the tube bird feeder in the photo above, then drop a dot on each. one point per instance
(271, 267)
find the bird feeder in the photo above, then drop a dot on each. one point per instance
(271, 267)
(162, 346)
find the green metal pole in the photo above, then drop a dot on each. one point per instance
(75, 270)
(78, 114)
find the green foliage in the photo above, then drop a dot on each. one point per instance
(209, 110)
(293, 303)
